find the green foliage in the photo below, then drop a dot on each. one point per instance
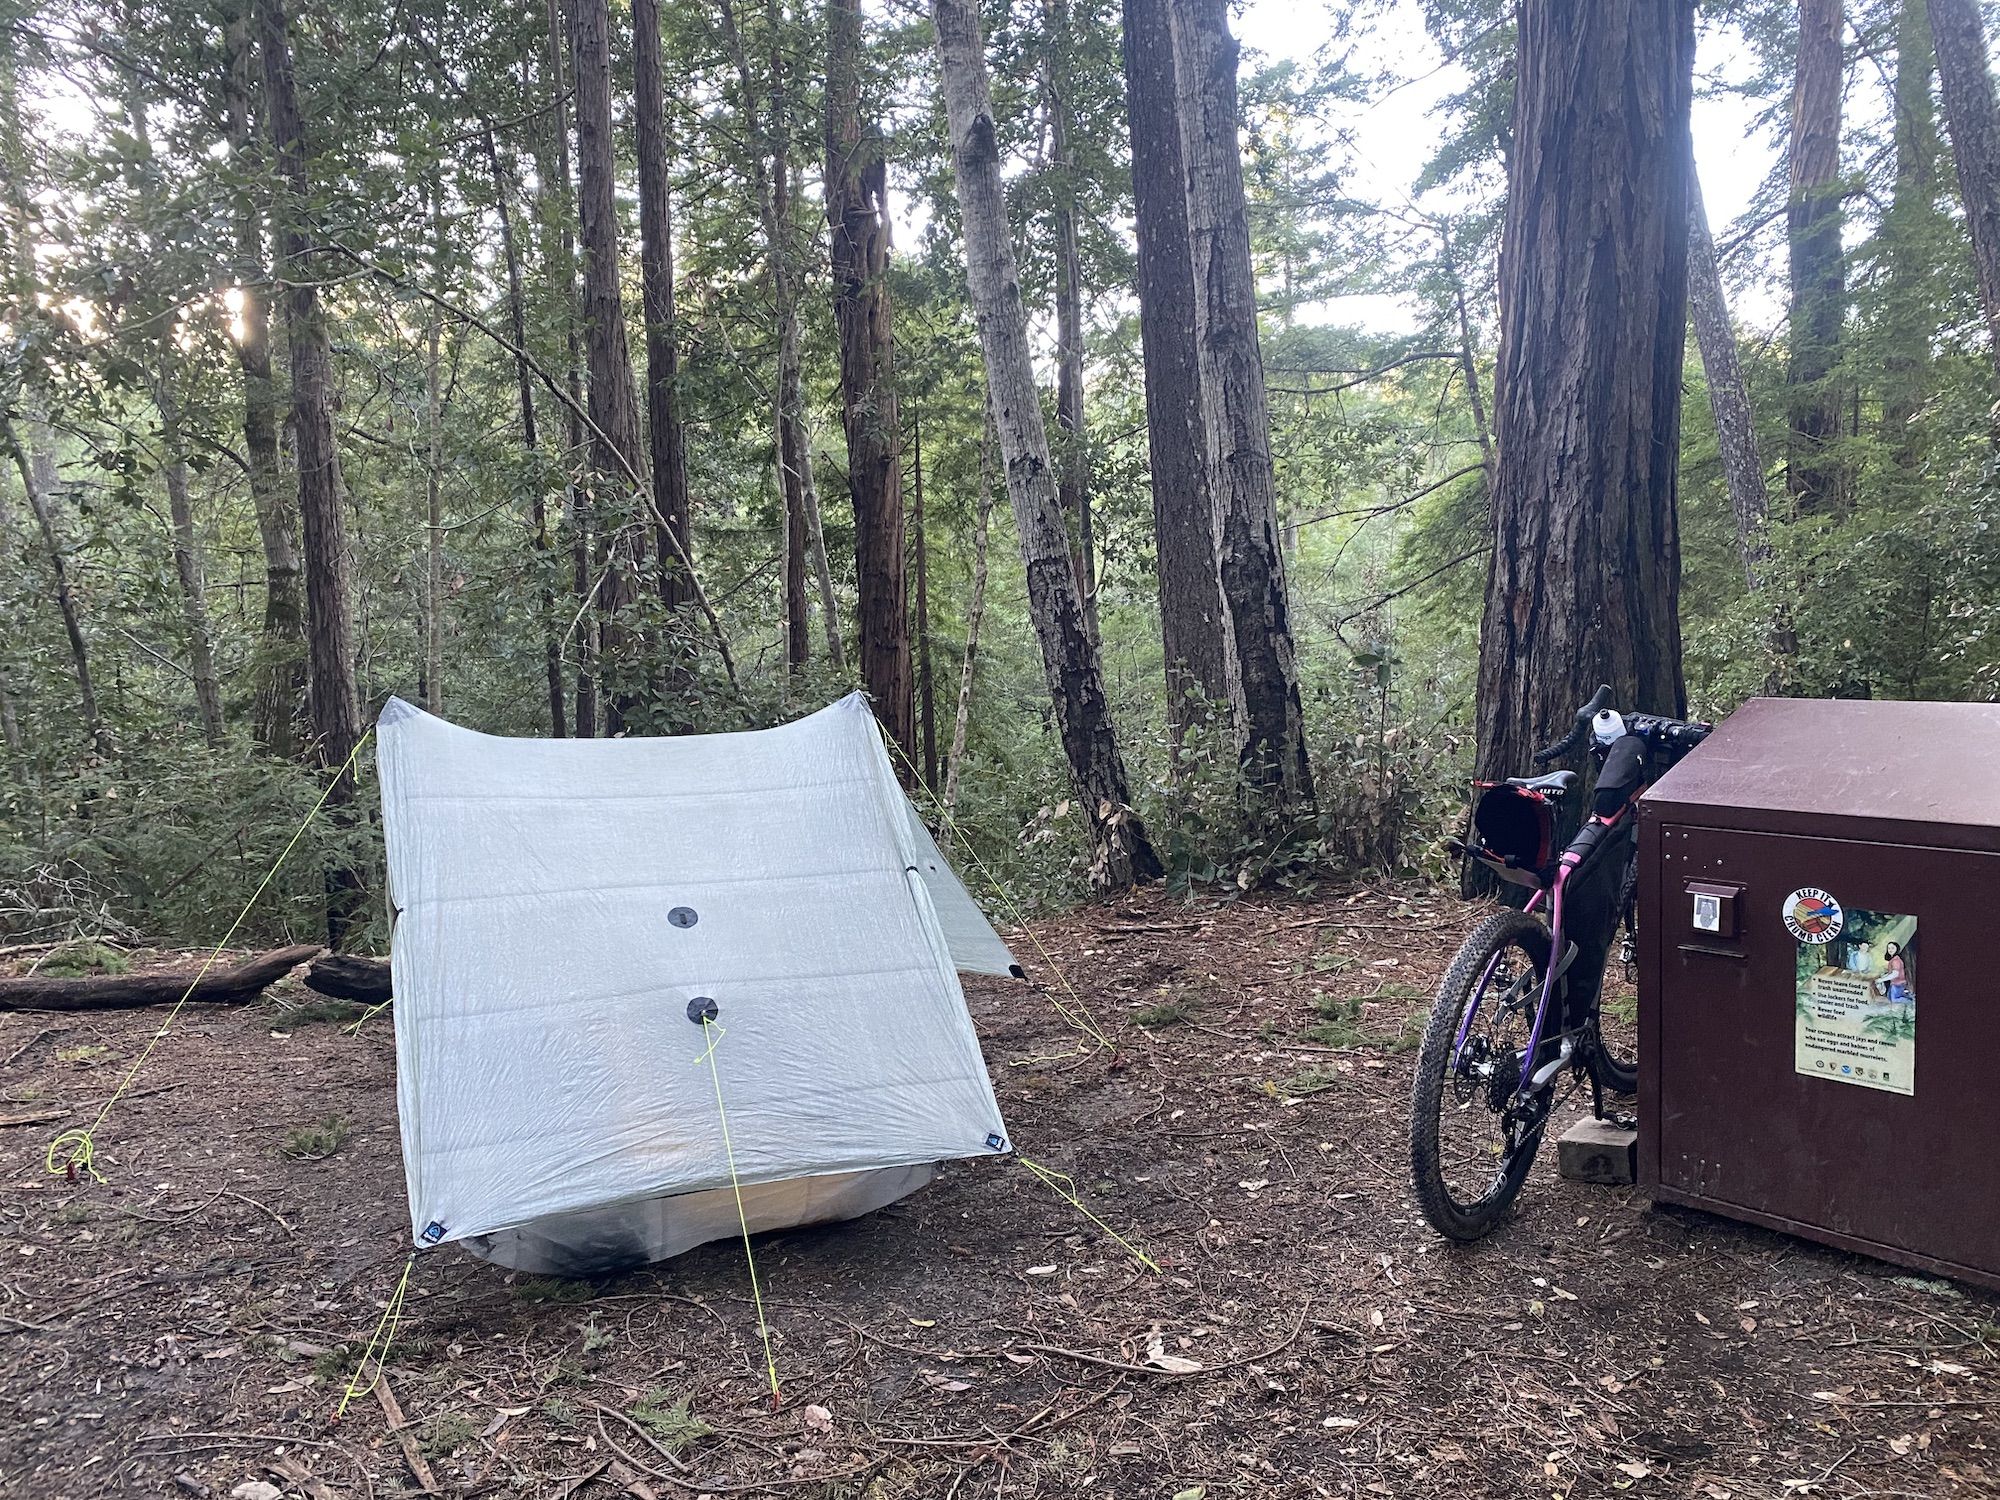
(669, 1418)
(319, 1140)
(73, 960)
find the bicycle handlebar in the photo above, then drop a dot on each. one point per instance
(1573, 741)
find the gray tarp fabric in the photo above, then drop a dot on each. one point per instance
(561, 905)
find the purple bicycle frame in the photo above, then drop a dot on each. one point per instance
(1555, 895)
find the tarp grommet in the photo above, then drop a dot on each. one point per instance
(683, 916)
(702, 1009)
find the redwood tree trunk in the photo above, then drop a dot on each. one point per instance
(1813, 470)
(335, 714)
(524, 384)
(618, 499)
(666, 435)
(1236, 423)
(1974, 126)
(1183, 530)
(561, 259)
(1728, 397)
(1585, 578)
(1122, 852)
(281, 666)
(857, 214)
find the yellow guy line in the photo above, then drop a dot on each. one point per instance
(1088, 1025)
(385, 1333)
(1064, 1187)
(715, 1035)
(82, 1146)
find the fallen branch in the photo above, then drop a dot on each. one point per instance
(246, 981)
(399, 1428)
(347, 976)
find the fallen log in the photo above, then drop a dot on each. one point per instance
(348, 976)
(246, 981)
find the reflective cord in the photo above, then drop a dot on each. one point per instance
(385, 1333)
(1064, 1187)
(714, 1034)
(81, 1143)
(1087, 1025)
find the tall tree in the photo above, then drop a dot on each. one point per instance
(1122, 854)
(1728, 396)
(1912, 226)
(768, 124)
(620, 499)
(1584, 584)
(281, 666)
(666, 434)
(1236, 421)
(1814, 470)
(857, 215)
(329, 623)
(1973, 123)
(1072, 454)
(524, 387)
(1183, 528)
(559, 214)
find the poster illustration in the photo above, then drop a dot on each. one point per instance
(1857, 993)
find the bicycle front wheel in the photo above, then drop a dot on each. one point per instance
(1472, 1140)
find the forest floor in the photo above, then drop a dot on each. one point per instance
(189, 1325)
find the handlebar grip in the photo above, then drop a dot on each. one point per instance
(1570, 742)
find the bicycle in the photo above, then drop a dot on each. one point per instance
(1508, 1025)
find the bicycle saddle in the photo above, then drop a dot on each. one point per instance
(1556, 781)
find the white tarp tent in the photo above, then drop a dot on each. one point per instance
(564, 913)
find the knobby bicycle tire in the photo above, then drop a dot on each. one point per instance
(1465, 1222)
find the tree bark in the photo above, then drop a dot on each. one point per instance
(561, 261)
(1814, 475)
(666, 435)
(280, 691)
(524, 382)
(1585, 579)
(187, 557)
(975, 614)
(769, 131)
(335, 714)
(1257, 636)
(1183, 526)
(1912, 225)
(920, 549)
(857, 214)
(1728, 396)
(232, 986)
(1973, 124)
(1122, 854)
(619, 505)
(1072, 455)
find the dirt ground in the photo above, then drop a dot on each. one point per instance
(190, 1325)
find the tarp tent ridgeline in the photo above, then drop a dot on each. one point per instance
(561, 907)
